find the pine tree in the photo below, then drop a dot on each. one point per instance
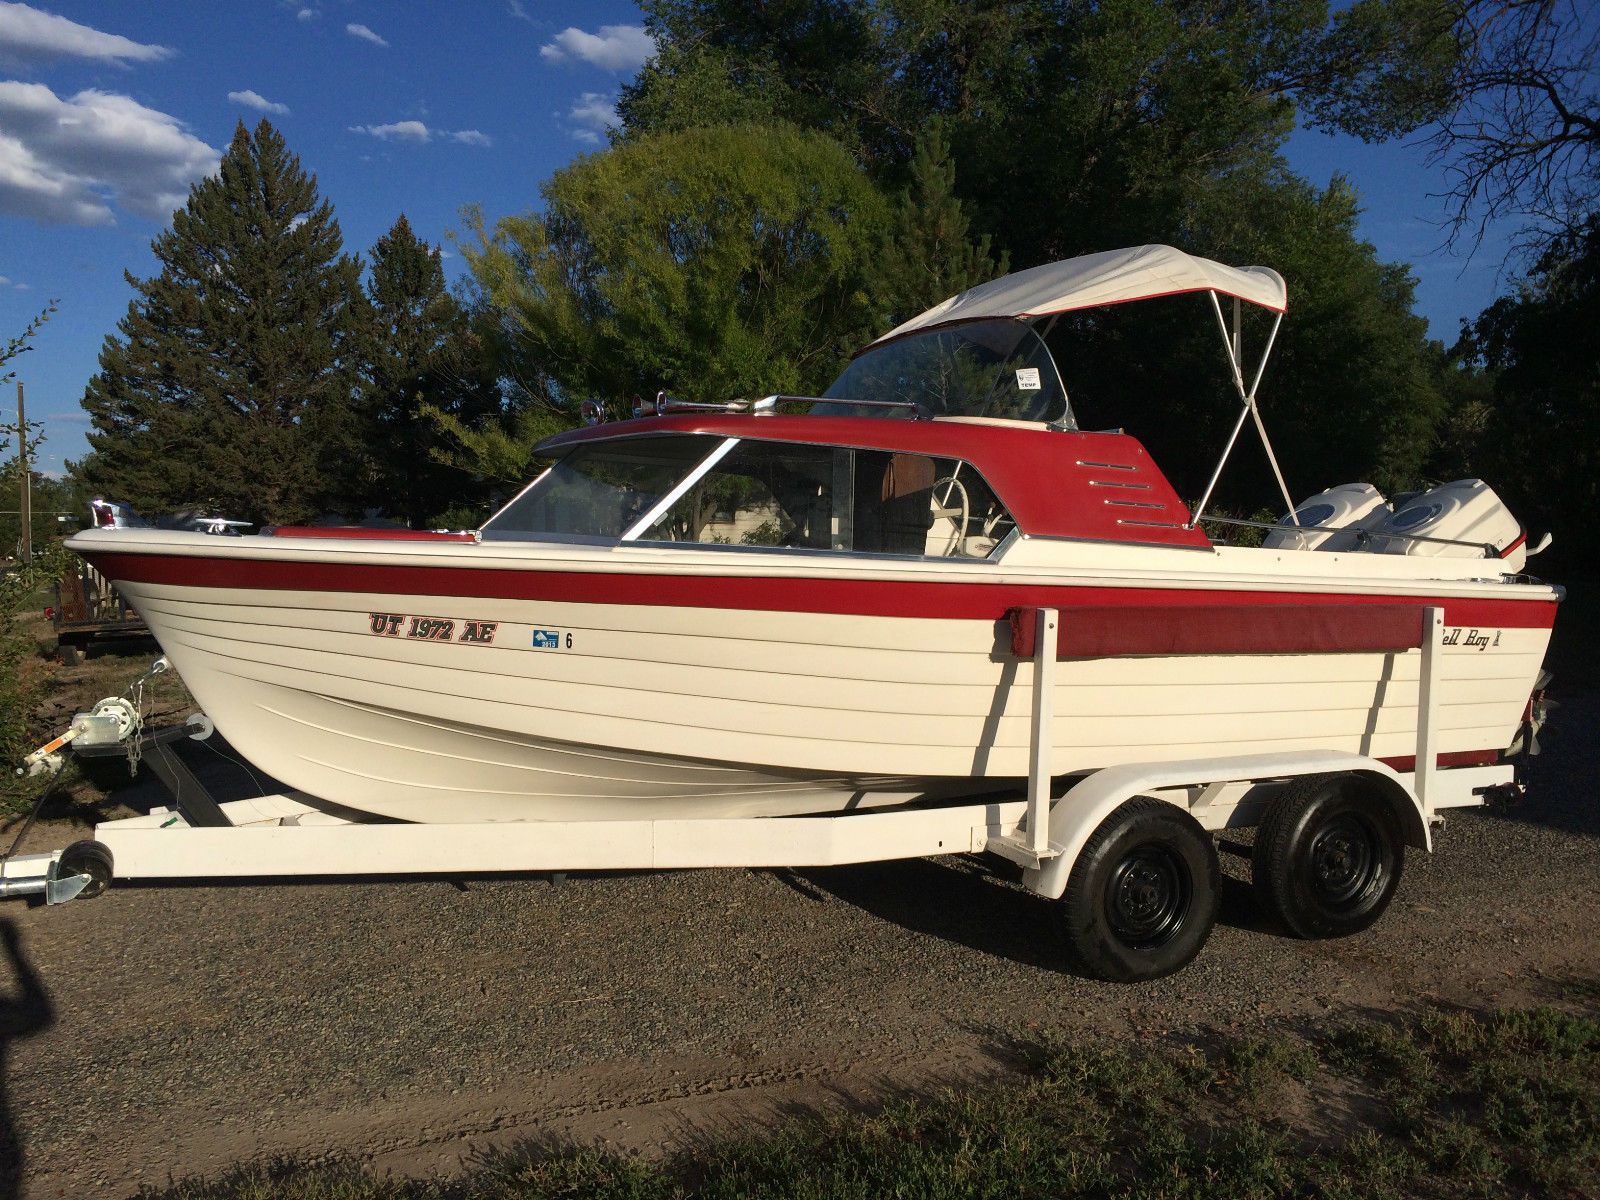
(422, 353)
(229, 385)
(929, 254)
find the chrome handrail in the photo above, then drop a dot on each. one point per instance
(1490, 550)
(769, 404)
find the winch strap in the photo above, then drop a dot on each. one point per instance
(189, 796)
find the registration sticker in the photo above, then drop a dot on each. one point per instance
(1027, 379)
(547, 639)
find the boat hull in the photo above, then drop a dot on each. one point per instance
(605, 695)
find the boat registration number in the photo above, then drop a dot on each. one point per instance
(432, 629)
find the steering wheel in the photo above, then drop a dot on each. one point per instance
(957, 514)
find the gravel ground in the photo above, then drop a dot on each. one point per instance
(410, 1023)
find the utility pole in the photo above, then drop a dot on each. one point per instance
(22, 461)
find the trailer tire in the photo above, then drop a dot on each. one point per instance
(1328, 856)
(88, 858)
(70, 655)
(1142, 895)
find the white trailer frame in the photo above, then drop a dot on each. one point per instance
(289, 835)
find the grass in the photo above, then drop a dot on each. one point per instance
(38, 697)
(1449, 1104)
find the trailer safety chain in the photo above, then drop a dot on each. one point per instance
(135, 693)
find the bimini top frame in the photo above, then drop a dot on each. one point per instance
(1119, 277)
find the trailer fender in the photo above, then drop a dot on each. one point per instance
(1078, 812)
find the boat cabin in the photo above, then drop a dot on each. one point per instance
(949, 437)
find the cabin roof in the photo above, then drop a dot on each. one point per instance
(1056, 483)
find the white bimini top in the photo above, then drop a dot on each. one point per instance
(1111, 277)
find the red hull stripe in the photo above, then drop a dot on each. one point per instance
(1456, 758)
(826, 594)
(1224, 629)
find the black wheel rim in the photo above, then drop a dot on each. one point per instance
(1148, 897)
(1346, 862)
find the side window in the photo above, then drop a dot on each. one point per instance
(600, 489)
(765, 494)
(917, 504)
(833, 498)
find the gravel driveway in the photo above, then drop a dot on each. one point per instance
(410, 1023)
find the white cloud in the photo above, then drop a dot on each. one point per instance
(400, 131)
(616, 47)
(68, 161)
(365, 34)
(254, 99)
(592, 115)
(308, 14)
(416, 131)
(28, 35)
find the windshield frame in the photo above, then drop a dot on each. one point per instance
(1026, 330)
(487, 532)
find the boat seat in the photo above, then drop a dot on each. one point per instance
(894, 507)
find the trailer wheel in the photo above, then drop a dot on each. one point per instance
(1328, 856)
(1142, 895)
(91, 859)
(70, 655)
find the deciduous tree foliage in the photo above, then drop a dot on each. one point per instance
(1077, 127)
(1540, 444)
(229, 384)
(711, 262)
(1504, 92)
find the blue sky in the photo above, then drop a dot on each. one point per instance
(109, 111)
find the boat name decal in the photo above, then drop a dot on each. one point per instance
(432, 629)
(1478, 638)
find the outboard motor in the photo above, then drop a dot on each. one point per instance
(1330, 520)
(1463, 519)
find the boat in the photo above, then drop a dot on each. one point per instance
(805, 605)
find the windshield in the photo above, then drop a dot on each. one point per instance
(998, 368)
(599, 490)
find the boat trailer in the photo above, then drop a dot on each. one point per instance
(1047, 832)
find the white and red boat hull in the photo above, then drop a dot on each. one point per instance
(583, 682)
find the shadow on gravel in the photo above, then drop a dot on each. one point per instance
(27, 1012)
(217, 765)
(960, 901)
(1560, 780)
(969, 904)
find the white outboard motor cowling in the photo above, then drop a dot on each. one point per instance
(1329, 520)
(1466, 511)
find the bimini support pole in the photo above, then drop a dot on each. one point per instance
(1232, 344)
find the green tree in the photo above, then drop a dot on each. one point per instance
(712, 263)
(1076, 127)
(229, 384)
(929, 253)
(423, 356)
(1541, 440)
